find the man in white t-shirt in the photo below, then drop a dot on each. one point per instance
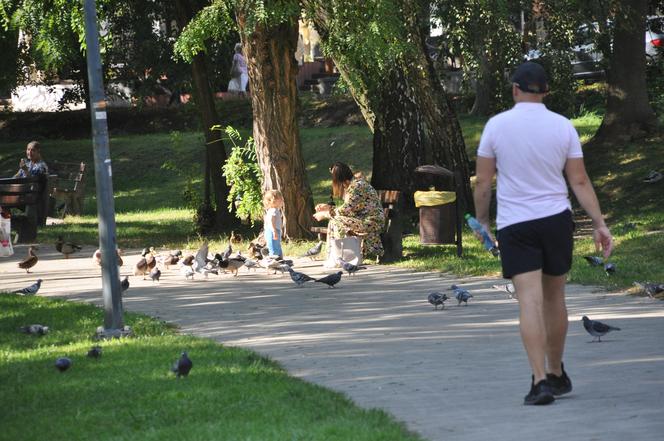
(529, 148)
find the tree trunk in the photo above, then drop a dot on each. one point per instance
(484, 85)
(270, 55)
(215, 152)
(628, 114)
(412, 119)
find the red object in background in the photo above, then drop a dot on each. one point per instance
(658, 42)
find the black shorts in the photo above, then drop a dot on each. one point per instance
(544, 244)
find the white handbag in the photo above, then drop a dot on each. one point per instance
(6, 248)
(349, 249)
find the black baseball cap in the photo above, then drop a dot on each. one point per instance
(531, 77)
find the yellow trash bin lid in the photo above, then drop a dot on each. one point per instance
(433, 198)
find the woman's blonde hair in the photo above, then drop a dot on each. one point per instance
(271, 196)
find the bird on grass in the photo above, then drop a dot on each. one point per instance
(95, 352)
(124, 285)
(182, 366)
(155, 274)
(314, 251)
(34, 329)
(596, 328)
(66, 248)
(650, 289)
(63, 363)
(594, 260)
(298, 277)
(508, 288)
(436, 299)
(30, 290)
(29, 261)
(351, 268)
(462, 296)
(609, 268)
(331, 280)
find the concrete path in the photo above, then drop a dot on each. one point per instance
(456, 374)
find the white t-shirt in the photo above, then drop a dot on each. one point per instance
(272, 213)
(531, 145)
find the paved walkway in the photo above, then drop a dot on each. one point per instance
(456, 374)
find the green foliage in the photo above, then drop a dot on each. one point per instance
(655, 84)
(191, 194)
(212, 23)
(244, 177)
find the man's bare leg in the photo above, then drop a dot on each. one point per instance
(555, 320)
(531, 321)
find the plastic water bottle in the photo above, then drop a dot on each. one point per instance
(486, 239)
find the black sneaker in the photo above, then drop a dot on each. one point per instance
(540, 393)
(559, 385)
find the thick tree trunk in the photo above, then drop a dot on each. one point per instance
(484, 86)
(270, 55)
(628, 113)
(215, 152)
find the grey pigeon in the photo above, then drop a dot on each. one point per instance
(30, 290)
(454, 287)
(597, 329)
(95, 352)
(250, 263)
(650, 288)
(299, 278)
(462, 296)
(155, 274)
(182, 366)
(609, 268)
(124, 285)
(594, 260)
(436, 298)
(331, 280)
(62, 364)
(508, 288)
(314, 251)
(227, 252)
(347, 266)
(187, 272)
(34, 329)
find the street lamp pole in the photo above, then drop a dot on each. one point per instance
(113, 322)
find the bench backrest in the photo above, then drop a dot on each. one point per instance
(391, 200)
(70, 175)
(17, 192)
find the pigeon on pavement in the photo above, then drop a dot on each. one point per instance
(182, 366)
(34, 329)
(650, 288)
(124, 285)
(347, 266)
(331, 280)
(437, 298)
(314, 251)
(462, 296)
(95, 352)
(250, 263)
(299, 278)
(155, 274)
(508, 288)
(187, 272)
(63, 363)
(596, 328)
(30, 290)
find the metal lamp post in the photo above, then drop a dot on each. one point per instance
(113, 321)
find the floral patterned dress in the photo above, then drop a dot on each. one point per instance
(361, 213)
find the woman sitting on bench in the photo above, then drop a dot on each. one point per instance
(361, 214)
(35, 165)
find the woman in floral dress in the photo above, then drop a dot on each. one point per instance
(360, 214)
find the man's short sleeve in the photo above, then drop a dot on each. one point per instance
(485, 148)
(574, 150)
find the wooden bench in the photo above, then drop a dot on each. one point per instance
(30, 196)
(391, 236)
(68, 186)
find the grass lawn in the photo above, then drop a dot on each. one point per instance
(130, 394)
(151, 209)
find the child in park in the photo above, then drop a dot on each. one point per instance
(273, 201)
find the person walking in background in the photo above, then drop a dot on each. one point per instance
(529, 148)
(239, 73)
(34, 165)
(273, 201)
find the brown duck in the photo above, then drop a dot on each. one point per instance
(150, 259)
(29, 261)
(66, 248)
(96, 257)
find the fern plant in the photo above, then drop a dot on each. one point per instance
(244, 177)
